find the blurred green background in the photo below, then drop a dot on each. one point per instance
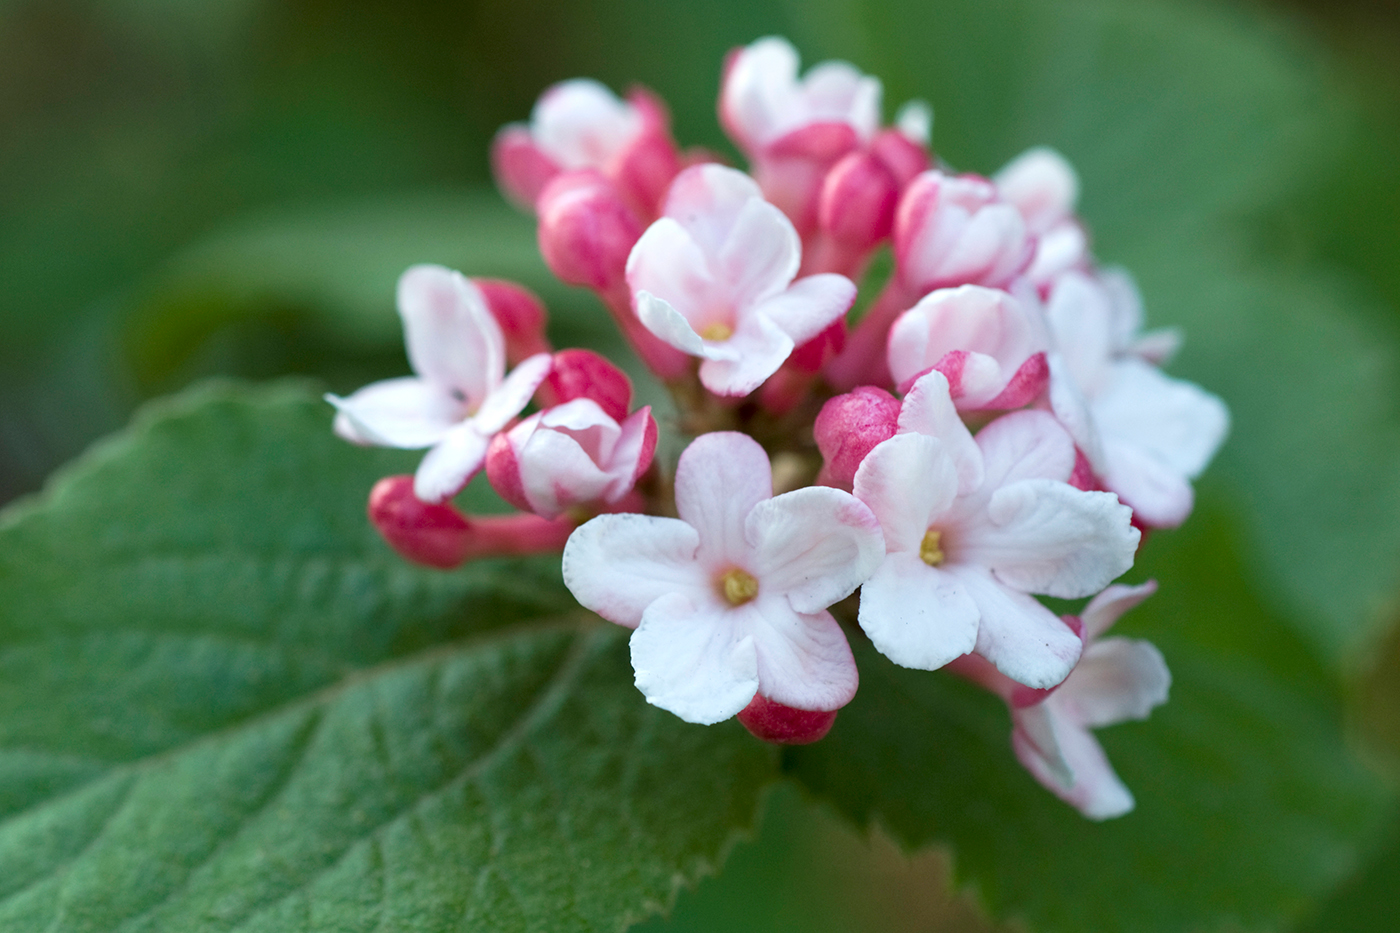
(192, 188)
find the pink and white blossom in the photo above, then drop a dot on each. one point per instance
(1146, 435)
(581, 125)
(956, 230)
(1044, 188)
(972, 526)
(988, 343)
(460, 397)
(713, 278)
(729, 600)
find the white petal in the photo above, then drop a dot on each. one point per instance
(1072, 411)
(1108, 607)
(1026, 641)
(451, 464)
(760, 256)
(761, 90)
(668, 263)
(928, 409)
(1025, 445)
(815, 545)
(1042, 184)
(1117, 679)
(1042, 536)
(1036, 741)
(907, 481)
(694, 660)
(1094, 790)
(1177, 421)
(740, 364)
(720, 477)
(618, 564)
(917, 615)
(707, 201)
(452, 339)
(810, 306)
(662, 319)
(804, 660)
(408, 413)
(511, 396)
(557, 473)
(915, 120)
(1159, 495)
(1081, 321)
(581, 124)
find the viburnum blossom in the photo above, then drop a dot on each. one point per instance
(714, 278)
(992, 428)
(1116, 680)
(460, 396)
(962, 554)
(1146, 435)
(729, 600)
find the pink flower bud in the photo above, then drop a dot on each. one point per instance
(435, 535)
(903, 157)
(521, 316)
(773, 722)
(645, 166)
(849, 426)
(585, 374)
(522, 170)
(586, 230)
(954, 230)
(573, 454)
(858, 198)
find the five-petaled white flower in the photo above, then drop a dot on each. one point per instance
(974, 525)
(1117, 679)
(714, 278)
(730, 599)
(459, 400)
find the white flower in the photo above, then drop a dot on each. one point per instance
(459, 399)
(763, 100)
(972, 529)
(1145, 434)
(1117, 679)
(714, 278)
(729, 600)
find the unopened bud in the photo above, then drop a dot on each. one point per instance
(901, 155)
(585, 374)
(521, 316)
(522, 171)
(586, 230)
(858, 199)
(849, 426)
(425, 533)
(773, 722)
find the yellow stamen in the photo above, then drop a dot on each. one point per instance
(738, 586)
(717, 331)
(929, 550)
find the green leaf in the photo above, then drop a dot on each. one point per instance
(1249, 804)
(226, 705)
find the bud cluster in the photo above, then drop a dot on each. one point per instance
(994, 427)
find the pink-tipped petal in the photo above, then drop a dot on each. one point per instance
(521, 169)
(619, 564)
(1026, 385)
(503, 463)
(694, 659)
(916, 615)
(928, 409)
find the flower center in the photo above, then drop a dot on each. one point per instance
(717, 331)
(930, 549)
(737, 586)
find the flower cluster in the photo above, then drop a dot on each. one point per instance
(994, 427)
